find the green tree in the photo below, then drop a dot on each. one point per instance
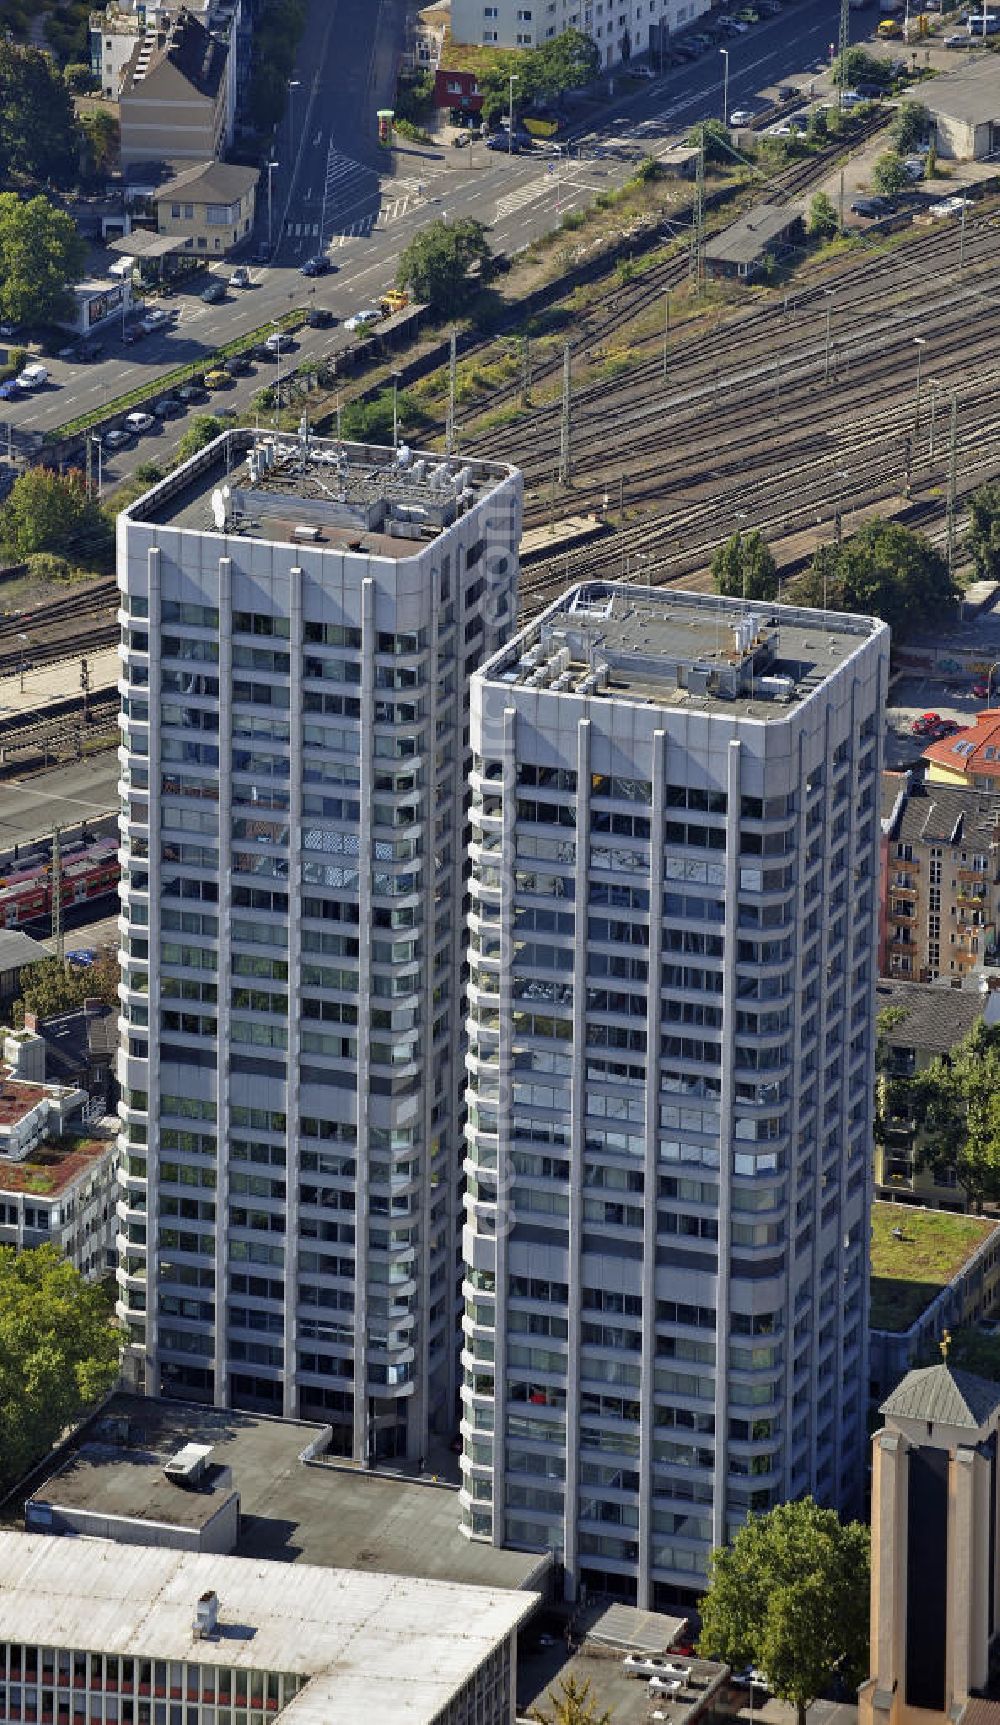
(884, 570)
(569, 62)
(984, 530)
(50, 987)
(102, 142)
(59, 1353)
(48, 511)
(861, 66)
(889, 176)
(744, 568)
(822, 222)
(40, 254)
(444, 262)
(715, 137)
(203, 429)
(790, 1595)
(39, 138)
(79, 77)
(571, 1705)
(910, 127)
(817, 125)
(955, 1102)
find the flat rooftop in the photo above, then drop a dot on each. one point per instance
(317, 492)
(916, 1253)
(295, 1512)
(671, 648)
(624, 1697)
(53, 1165)
(372, 1647)
(103, 1481)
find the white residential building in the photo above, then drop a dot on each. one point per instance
(671, 1055)
(622, 29)
(300, 620)
(91, 1632)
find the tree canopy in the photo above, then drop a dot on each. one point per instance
(715, 138)
(568, 62)
(40, 254)
(39, 137)
(744, 568)
(884, 570)
(444, 262)
(984, 530)
(572, 1704)
(277, 29)
(822, 222)
(47, 511)
(50, 987)
(204, 428)
(59, 1353)
(910, 127)
(790, 1596)
(859, 65)
(955, 1102)
(889, 176)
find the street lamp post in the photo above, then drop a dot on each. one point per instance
(270, 185)
(293, 85)
(24, 639)
(725, 86)
(510, 114)
(919, 342)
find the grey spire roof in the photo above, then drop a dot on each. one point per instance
(944, 1395)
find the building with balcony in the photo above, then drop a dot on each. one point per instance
(621, 30)
(918, 1023)
(671, 1063)
(58, 1175)
(300, 620)
(208, 209)
(941, 881)
(168, 1634)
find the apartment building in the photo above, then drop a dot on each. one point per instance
(174, 95)
(941, 881)
(123, 26)
(300, 620)
(621, 28)
(671, 1063)
(210, 207)
(58, 1175)
(918, 1022)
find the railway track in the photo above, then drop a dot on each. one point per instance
(82, 622)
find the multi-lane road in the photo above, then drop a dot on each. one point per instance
(338, 190)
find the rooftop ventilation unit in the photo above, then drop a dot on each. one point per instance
(188, 1466)
(206, 1616)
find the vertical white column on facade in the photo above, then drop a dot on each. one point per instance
(578, 1108)
(794, 1157)
(850, 924)
(223, 1042)
(654, 1014)
(505, 1200)
(726, 1141)
(872, 857)
(296, 859)
(364, 1442)
(153, 1081)
(417, 1426)
(826, 757)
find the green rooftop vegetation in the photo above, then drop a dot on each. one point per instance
(908, 1272)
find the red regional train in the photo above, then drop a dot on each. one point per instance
(26, 893)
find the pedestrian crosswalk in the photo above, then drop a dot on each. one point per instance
(526, 194)
(346, 180)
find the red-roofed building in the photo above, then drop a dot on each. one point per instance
(970, 756)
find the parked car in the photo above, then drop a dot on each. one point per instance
(926, 723)
(981, 689)
(317, 317)
(877, 206)
(138, 422)
(153, 320)
(217, 379)
(132, 333)
(168, 408)
(10, 390)
(116, 439)
(361, 318)
(317, 266)
(950, 206)
(189, 392)
(215, 293)
(238, 365)
(741, 117)
(240, 277)
(279, 341)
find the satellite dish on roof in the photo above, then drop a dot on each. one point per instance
(220, 508)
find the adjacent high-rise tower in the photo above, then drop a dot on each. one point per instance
(671, 1047)
(300, 619)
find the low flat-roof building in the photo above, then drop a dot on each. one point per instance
(965, 109)
(96, 304)
(314, 1645)
(742, 249)
(104, 1493)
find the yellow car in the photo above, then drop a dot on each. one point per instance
(217, 380)
(890, 29)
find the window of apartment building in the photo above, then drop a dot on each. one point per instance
(189, 212)
(175, 211)
(220, 215)
(524, 15)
